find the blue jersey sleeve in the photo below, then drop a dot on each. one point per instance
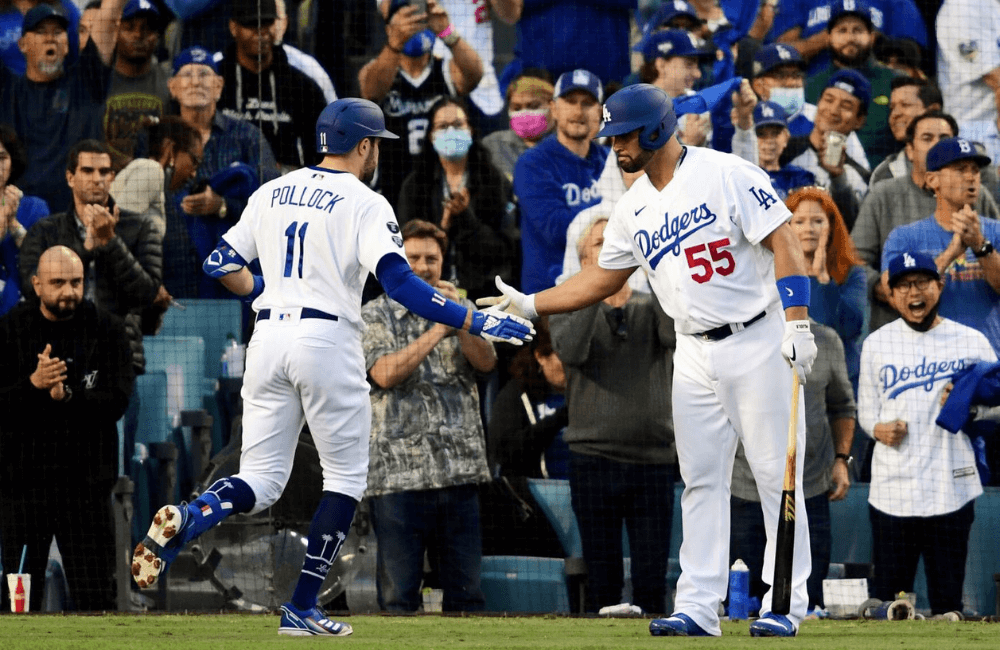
(403, 286)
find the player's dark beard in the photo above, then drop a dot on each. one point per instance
(368, 171)
(852, 61)
(925, 323)
(638, 163)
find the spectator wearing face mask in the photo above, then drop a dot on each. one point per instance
(528, 100)
(405, 79)
(455, 187)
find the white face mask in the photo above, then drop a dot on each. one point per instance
(790, 99)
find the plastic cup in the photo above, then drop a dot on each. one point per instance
(19, 585)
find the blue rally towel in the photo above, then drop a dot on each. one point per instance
(706, 99)
(976, 384)
(238, 181)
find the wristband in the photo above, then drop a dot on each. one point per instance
(794, 291)
(449, 35)
(258, 288)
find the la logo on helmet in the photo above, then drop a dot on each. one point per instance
(607, 114)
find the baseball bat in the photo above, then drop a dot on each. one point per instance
(781, 597)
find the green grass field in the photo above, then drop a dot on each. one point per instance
(259, 632)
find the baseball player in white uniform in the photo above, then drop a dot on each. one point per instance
(712, 236)
(318, 232)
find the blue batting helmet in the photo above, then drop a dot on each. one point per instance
(644, 107)
(345, 122)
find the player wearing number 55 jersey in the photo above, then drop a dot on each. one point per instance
(724, 264)
(318, 232)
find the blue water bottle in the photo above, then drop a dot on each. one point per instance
(739, 591)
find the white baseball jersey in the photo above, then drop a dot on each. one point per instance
(318, 234)
(698, 239)
(968, 36)
(903, 376)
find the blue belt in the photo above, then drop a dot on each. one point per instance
(307, 312)
(723, 331)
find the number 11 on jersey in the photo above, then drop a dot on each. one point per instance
(290, 250)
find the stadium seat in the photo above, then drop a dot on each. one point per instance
(553, 497)
(513, 583)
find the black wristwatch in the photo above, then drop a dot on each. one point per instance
(984, 250)
(847, 458)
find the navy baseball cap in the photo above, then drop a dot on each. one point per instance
(774, 56)
(668, 11)
(911, 262)
(856, 8)
(198, 55)
(765, 113)
(249, 12)
(579, 80)
(41, 12)
(672, 42)
(136, 7)
(853, 82)
(949, 150)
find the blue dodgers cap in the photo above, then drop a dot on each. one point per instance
(765, 113)
(672, 42)
(858, 8)
(853, 82)
(775, 55)
(949, 150)
(911, 262)
(668, 11)
(197, 55)
(579, 80)
(136, 7)
(41, 12)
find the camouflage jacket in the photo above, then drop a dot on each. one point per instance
(427, 432)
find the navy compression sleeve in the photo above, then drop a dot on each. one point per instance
(403, 286)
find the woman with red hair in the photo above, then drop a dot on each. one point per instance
(839, 295)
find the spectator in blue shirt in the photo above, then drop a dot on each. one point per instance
(197, 87)
(558, 178)
(960, 240)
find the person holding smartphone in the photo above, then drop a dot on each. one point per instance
(841, 110)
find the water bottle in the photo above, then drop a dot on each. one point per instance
(739, 591)
(233, 357)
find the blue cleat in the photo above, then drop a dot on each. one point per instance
(772, 625)
(310, 622)
(164, 540)
(676, 625)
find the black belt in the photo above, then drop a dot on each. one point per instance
(307, 312)
(723, 331)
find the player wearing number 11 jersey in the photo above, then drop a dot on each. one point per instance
(318, 232)
(715, 242)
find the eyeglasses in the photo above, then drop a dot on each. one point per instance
(919, 285)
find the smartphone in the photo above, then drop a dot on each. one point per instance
(419, 4)
(199, 187)
(834, 148)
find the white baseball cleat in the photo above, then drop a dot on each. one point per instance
(162, 543)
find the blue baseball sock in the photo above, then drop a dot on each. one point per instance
(227, 496)
(329, 528)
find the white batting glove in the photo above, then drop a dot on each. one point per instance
(512, 301)
(497, 326)
(799, 348)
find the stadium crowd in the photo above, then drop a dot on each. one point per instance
(132, 133)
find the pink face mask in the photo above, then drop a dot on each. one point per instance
(529, 124)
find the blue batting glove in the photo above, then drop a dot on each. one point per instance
(500, 327)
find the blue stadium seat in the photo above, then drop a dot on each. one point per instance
(212, 320)
(553, 496)
(514, 583)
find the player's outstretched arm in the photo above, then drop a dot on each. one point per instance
(592, 284)
(403, 286)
